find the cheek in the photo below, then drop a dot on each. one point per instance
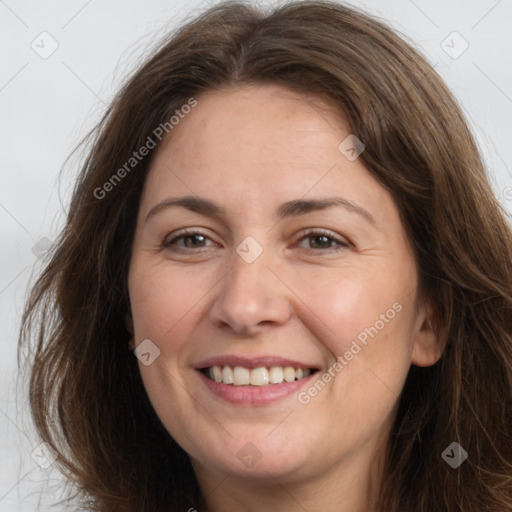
(366, 328)
(163, 305)
(161, 301)
(359, 307)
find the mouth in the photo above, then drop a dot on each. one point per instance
(260, 376)
(254, 381)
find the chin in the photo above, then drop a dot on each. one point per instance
(257, 458)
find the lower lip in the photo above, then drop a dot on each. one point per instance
(253, 395)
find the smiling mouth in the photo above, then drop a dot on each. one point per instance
(262, 376)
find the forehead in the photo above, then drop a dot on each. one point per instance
(260, 145)
(271, 124)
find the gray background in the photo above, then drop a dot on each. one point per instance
(48, 104)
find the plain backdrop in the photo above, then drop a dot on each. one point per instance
(49, 101)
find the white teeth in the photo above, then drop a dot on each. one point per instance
(259, 376)
(241, 376)
(227, 375)
(217, 373)
(276, 375)
(289, 374)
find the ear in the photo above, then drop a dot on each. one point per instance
(129, 325)
(429, 338)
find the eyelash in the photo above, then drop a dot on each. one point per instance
(342, 245)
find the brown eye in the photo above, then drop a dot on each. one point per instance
(318, 240)
(192, 241)
(187, 240)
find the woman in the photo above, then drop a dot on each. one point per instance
(284, 282)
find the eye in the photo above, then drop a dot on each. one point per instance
(326, 240)
(191, 240)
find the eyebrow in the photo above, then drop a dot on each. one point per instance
(293, 208)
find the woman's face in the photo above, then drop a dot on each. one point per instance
(273, 281)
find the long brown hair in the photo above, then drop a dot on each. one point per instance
(86, 394)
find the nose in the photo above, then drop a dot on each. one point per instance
(251, 297)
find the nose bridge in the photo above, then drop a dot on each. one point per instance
(250, 293)
(249, 268)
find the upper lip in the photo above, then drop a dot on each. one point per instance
(251, 362)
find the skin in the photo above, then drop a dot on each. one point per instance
(250, 149)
